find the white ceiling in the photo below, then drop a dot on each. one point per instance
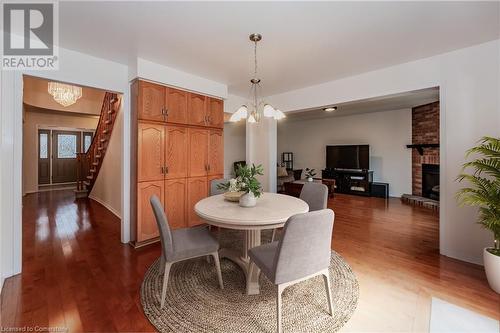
(303, 43)
(400, 101)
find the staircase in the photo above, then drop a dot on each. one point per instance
(89, 163)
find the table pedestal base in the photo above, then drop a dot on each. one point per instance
(252, 239)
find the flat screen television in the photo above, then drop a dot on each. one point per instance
(348, 157)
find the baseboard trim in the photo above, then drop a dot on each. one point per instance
(112, 210)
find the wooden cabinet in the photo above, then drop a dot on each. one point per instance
(175, 202)
(216, 152)
(197, 189)
(197, 109)
(198, 152)
(151, 101)
(215, 113)
(176, 106)
(176, 152)
(147, 228)
(177, 149)
(150, 152)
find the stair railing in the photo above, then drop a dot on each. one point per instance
(89, 162)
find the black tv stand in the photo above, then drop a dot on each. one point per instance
(350, 181)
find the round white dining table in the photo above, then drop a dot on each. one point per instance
(272, 211)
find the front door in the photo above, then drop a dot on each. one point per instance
(44, 157)
(65, 145)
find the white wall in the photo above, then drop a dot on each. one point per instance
(234, 146)
(386, 132)
(11, 170)
(469, 89)
(107, 186)
(261, 143)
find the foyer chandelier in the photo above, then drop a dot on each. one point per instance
(256, 108)
(64, 94)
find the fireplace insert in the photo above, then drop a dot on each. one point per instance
(430, 181)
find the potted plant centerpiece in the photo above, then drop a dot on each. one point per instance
(310, 173)
(246, 183)
(484, 193)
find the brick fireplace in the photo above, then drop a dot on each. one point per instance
(425, 130)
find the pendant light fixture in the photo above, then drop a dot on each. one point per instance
(64, 94)
(256, 108)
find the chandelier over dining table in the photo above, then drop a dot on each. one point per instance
(256, 108)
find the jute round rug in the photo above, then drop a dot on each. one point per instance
(194, 302)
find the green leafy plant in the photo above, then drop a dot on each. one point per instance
(310, 173)
(484, 186)
(245, 180)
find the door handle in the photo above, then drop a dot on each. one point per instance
(164, 112)
(166, 169)
(162, 170)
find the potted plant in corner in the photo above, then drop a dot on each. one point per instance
(310, 173)
(246, 182)
(484, 193)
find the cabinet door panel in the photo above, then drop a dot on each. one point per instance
(177, 152)
(197, 190)
(146, 223)
(150, 152)
(175, 202)
(198, 151)
(176, 103)
(215, 112)
(197, 109)
(151, 101)
(216, 153)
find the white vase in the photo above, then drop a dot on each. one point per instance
(248, 200)
(310, 179)
(492, 268)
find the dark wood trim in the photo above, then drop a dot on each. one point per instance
(420, 146)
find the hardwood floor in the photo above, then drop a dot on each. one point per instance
(77, 274)
(394, 251)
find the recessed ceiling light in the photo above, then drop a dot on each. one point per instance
(330, 109)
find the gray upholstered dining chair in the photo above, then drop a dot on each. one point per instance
(315, 195)
(302, 253)
(214, 183)
(214, 190)
(182, 244)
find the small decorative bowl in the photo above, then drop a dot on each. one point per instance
(233, 196)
